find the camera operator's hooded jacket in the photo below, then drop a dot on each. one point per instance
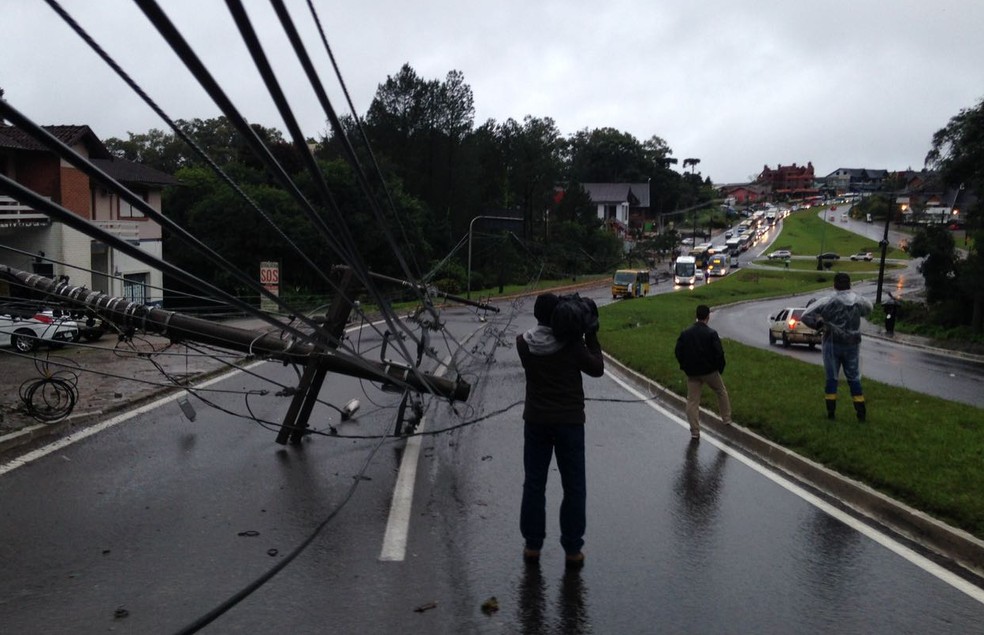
(554, 390)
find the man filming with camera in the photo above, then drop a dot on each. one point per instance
(554, 353)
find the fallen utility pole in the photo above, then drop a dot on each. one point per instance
(128, 315)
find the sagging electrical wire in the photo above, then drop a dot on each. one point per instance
(377, 170)
(72, 23)
(352, 259)
(246, 591)
(181, 233)
(272, 83)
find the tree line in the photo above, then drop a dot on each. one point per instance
(435, 171)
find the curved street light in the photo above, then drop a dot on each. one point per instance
(470, 226)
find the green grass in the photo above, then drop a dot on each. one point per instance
(806, 233)
(844, 264)
(516, 289)
(921, 450)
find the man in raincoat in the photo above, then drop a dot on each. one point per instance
(839, 315)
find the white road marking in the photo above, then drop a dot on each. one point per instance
(908, 554)
(398, 525)
(105, 425)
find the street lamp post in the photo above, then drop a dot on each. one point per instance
(823, 235)
(470, 226)
(884, 246)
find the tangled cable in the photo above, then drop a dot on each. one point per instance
(52, 396)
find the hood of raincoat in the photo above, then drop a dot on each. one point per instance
(541, 340)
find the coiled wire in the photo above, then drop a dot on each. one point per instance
(52, 396)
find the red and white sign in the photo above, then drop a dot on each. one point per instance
(270, 275)
(270, 279)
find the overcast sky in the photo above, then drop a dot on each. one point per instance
(739, 84)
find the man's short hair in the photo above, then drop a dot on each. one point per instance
(842, 281)
(544, 307)
(703, 312)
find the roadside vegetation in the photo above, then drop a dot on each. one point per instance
(922, 450)
(805, 233)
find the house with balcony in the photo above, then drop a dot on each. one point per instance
(844, 180)
(31, 241)
(621, 206)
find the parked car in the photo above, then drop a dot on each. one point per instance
(785, 326)
(25, 333)
(779, 254)
(862, 255)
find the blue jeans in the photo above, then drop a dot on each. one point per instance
(542, 441)
(836, 356)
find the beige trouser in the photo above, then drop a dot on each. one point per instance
(694, 385)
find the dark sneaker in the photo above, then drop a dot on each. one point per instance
(574, 560)
(531, 555)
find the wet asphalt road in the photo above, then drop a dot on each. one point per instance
(151, 524)
(937, 373)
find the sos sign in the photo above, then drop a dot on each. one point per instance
(270, 274)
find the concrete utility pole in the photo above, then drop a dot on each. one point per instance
(316, 355)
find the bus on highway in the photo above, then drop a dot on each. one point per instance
(700, 256)
(685, 271)
(630, 283)
(719, 264)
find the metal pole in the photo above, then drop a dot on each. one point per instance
(470, 225)
(884, 248)
(468, 279)
(823, 235)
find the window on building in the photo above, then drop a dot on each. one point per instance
(135, 287)
(128, 211)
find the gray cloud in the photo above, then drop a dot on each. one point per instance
(739, 84)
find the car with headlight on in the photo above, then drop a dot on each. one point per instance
(785, 326)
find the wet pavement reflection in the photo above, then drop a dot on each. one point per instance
(570, 615)
(698, 489)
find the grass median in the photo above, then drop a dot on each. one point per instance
(922, 450)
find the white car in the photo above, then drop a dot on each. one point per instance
(785, 326)
(780, 254)
(25, 333)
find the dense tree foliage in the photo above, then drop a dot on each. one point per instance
(958, 153)
(436, 172)
(935, 244)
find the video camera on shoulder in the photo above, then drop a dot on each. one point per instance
(573, 317)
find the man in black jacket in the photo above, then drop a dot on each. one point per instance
(554, 425)
(701, 357)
